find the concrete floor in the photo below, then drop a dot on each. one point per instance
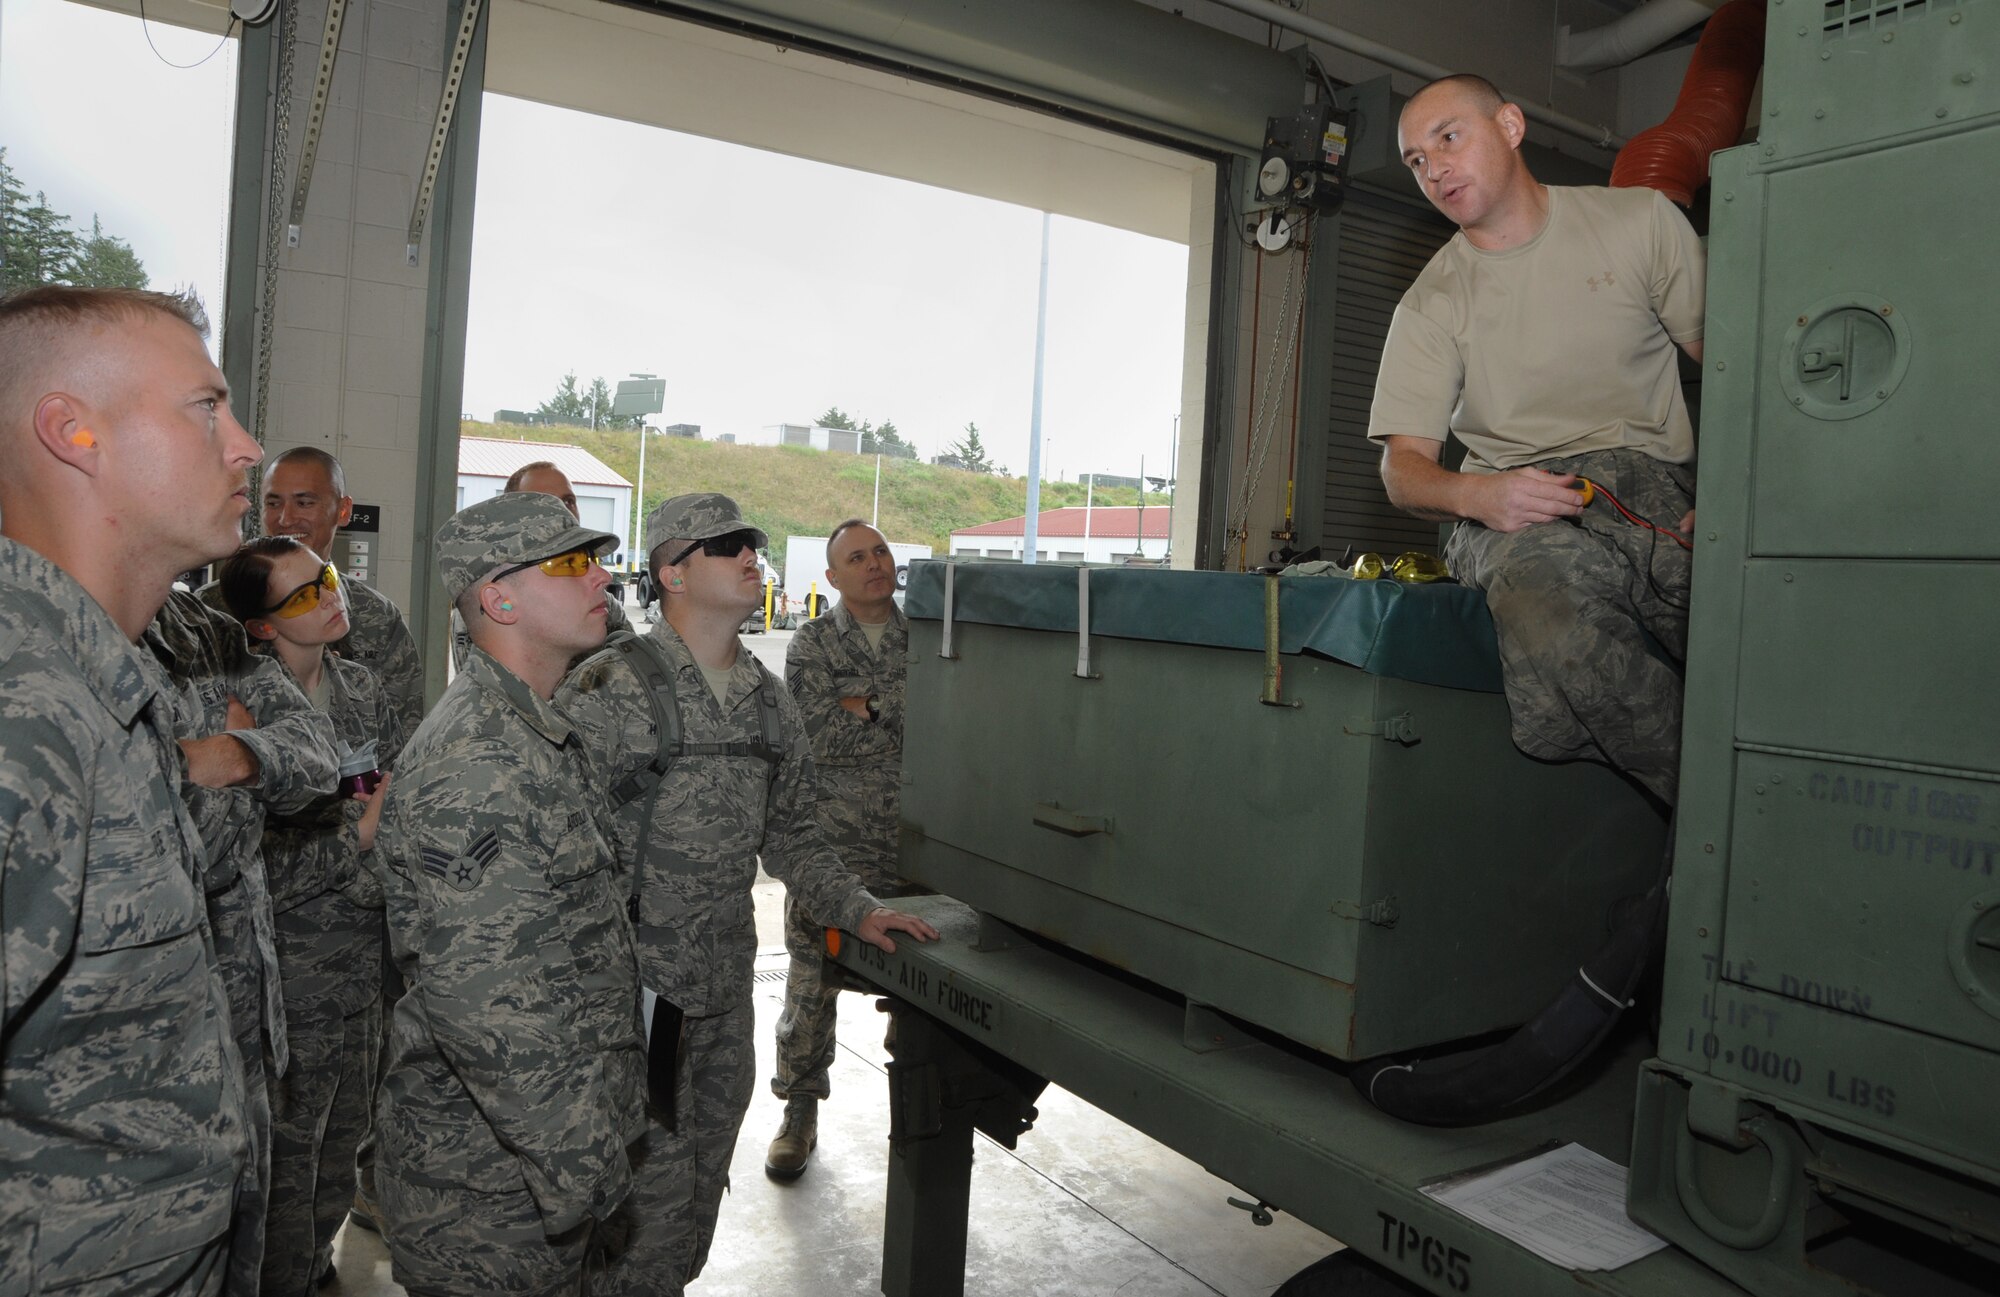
(1084, 1206)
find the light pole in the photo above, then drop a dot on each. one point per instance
(637, 397)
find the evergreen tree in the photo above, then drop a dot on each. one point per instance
(38, 245)
(890, 442)
(970, 452)
(13, 229)
(567, 406)
(835, 418)
(108, 262)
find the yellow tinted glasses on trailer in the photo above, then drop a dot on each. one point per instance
(306, 598)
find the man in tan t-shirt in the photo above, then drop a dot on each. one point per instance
(1544, 337)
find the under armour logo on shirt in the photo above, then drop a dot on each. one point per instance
(1606, 279)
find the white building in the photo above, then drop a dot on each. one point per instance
(603, 497)
(816, 435)
(1105, 534)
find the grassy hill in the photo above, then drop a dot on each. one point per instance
(794, 489)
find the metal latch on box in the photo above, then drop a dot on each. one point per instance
(1400, 728)
(1382, 913)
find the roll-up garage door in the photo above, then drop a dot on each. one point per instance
(1384, 242)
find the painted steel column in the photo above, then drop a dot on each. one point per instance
(446, 313)
(255, 56)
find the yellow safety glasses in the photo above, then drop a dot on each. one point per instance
(306, 598)
(574, 563)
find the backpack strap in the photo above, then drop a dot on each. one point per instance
(650, 664)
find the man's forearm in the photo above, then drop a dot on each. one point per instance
(219, 761)
(1423, 487)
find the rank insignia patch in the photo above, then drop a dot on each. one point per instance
(463, 872)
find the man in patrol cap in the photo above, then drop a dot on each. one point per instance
(122, 1111)
(515, 1071)
(846, 670)
(710, 769)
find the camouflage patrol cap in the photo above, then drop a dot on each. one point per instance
(696, 517)
(520, 527)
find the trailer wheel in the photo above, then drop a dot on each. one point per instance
(1345, 1275)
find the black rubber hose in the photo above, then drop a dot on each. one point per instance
(1469, 1089)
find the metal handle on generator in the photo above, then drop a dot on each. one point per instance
(1050, 816)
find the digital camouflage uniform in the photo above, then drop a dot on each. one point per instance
(123, 1125)
(327, 897)
(714, 816)
(1574, 606)
(208, 661)
(859, 765)
(515, 1067)
(378, 638)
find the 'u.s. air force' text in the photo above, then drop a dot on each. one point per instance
(949, 1001)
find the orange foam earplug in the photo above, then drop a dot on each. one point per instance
(84, 437)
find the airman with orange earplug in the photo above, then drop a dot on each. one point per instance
(123, 1099)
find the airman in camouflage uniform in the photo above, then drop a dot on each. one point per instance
(305, 497)
(740, 786)
(329, 926)
(290, 747)
(542, 478)
(329, 905)
(846, 670)
(515, 1067)
(122, 1116)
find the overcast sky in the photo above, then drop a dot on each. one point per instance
(762, 288)
(121, 134)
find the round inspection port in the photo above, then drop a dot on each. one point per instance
(1844, 356)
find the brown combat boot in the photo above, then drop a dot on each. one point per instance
(796, 1138)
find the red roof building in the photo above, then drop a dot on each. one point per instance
(1110, 534)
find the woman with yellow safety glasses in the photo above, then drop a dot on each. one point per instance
(327, 900)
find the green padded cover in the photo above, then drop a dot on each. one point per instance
(1438, 634)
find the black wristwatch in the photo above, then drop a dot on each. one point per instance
(874, 705)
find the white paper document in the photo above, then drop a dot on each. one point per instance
(1566, 1206)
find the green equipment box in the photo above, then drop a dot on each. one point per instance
(1830, 1038)
(1335, 839)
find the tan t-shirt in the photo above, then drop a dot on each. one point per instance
(1560, 346)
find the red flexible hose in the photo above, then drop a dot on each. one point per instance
(1709, 114)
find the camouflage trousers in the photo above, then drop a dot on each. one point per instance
(1592, 620)
(467, 1243)
(658, 1241)
(320, 1112)
(364, 1155)
(242, 967)
(203, 1272)
(812, 997)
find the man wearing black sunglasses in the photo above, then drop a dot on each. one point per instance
(738, 785)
